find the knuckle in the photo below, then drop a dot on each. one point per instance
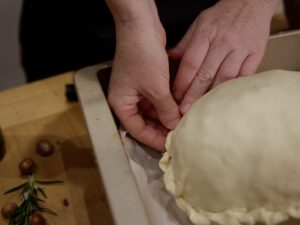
(257, 47)
(231, 43)
(142, 136)
(155, 88)
(165, 110)
(205, 74)
(193, 95)
(230, 39)
(247, 73)
(254, 48)
(156, 93)
(227, 75)
(204, 15)
(190, 62)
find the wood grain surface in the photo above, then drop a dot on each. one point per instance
(40, 111)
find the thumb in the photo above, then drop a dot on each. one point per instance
(167, 109)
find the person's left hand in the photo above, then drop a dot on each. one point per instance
(225, 41)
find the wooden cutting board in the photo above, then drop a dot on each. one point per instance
(40, 111)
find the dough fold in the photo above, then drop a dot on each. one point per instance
(234, 158)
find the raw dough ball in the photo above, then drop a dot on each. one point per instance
(235, 156)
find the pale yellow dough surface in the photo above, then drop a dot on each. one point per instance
(235, 156)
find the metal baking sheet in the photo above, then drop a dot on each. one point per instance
(283, 52)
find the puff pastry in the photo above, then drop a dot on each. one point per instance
(234, 158)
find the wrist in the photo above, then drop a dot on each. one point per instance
(267, 6)
(130, 12)
(264, 8)
(271, 5)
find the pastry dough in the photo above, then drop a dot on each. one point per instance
(234, 158)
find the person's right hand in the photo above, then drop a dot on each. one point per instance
(225, 41)
(139, 85)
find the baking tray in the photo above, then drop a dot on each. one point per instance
(283, 52)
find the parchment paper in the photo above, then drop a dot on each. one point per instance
(159, 204)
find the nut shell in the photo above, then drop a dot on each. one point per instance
(37, 219)
(8, 210)
(27, 166)
(44, 148)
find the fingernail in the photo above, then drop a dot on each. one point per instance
(185, 108)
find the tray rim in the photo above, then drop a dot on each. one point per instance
(120, 186)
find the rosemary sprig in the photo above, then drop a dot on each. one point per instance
(16, 188)
(30, 204)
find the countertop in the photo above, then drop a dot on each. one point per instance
(40, 111)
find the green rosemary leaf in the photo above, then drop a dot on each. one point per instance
(23, 220)
(49, 182)
(26, 222)
(25, 195)
(17, 219)
(16, 188)
(35, 205)
(38, 199)
(24, 191)
(48, 211)
(30, 200)
(42, 192)
(18, 215)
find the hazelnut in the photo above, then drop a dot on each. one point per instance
(37, 219)
(27, 166)
(44, 148)
(9, 209)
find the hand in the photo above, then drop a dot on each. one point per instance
(139, 86)
(225, 41)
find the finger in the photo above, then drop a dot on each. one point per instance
(166, 108)
(189, 65)
(205, 76)
(142, 130)
(230, 67)
(250, 64)
(177, 52)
